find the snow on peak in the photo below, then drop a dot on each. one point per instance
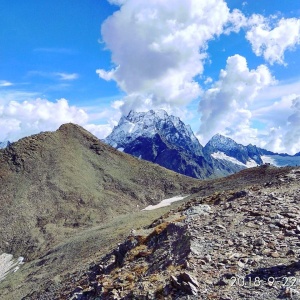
(148, 124)
(222, 142)
(228, 146)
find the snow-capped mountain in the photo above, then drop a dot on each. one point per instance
(279, 159)
(224, 148)
(164, 139)
(147, 125)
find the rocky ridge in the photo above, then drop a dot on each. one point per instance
(231, 244)
(62, 193)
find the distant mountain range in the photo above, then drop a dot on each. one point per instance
(164, 139)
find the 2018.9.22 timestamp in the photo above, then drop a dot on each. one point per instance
(288, 282)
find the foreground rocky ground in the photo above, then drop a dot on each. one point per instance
(231, 244)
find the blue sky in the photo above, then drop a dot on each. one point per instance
(228, 67)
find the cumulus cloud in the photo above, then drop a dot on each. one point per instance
(271, 39)
(19, 119)
(291, 138)
(224, 108)
(101, 131)
(236, 21)
(159, 47)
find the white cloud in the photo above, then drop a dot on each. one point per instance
(236, 21)
(280, 122)
(4, 83)
(19, 119)
(67, 76)
(291, 138)
(276, 92)
(224, 108)
(100, 131)
(208, 80)
(23, 114)
(275, 114)
(165, 50)
(271, 39)
(106, 75)
(55, 75)
(117, 2)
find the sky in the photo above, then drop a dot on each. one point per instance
(228, 67)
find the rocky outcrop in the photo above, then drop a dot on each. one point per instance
(238, 244)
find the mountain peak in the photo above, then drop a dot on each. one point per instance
(157, 137)
(72, 127)
(219, 140)
(151, 114)
(151, 123)
(220, 145)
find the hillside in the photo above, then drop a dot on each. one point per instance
(240, 243)
(55, 183)
(67, 200)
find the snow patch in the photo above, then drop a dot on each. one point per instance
(268, 160)
(121, 149)
(165, 202)
(281, 161)
(251, 163)
(221, 155)
(8, 264)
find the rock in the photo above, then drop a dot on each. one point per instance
(189, 278)
(259, 242)
(192, 289)
(78, 289)
(200, 210)
(221, 227)
(175, 282)
(236, 195)
(266, 251)
(275, 254)
(290, 252)
(240, 264)
(207, 258)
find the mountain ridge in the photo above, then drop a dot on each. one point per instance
(67, 180)
(164, 139)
